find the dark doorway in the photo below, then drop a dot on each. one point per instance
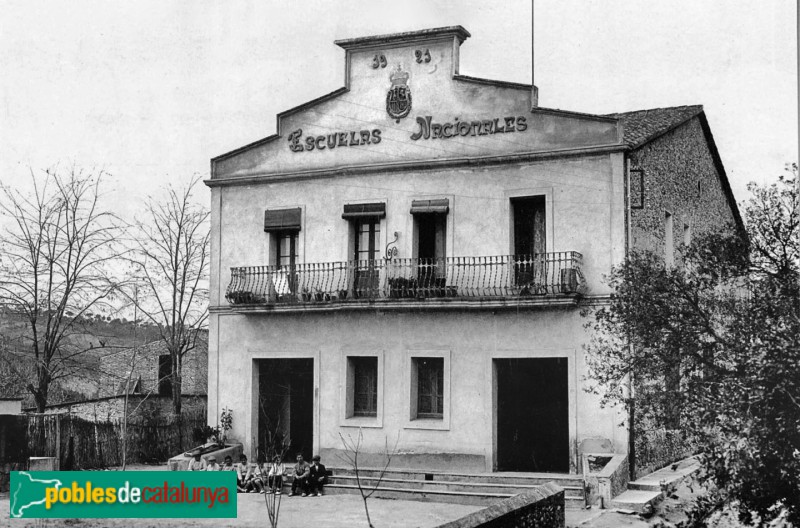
(165, 375)
(286, 406)
(530, 244)
(431, 272)
(532, 415)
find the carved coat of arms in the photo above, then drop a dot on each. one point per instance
(398, 99)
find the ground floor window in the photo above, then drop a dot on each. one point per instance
(429, 387)
(365, 385)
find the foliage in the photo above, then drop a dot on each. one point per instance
(55, 270)
(225, 425)
(712, 346)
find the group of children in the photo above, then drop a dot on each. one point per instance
(307, 479)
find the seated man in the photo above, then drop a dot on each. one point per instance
(212, 464)
(227, 465)
(197, 464)
(300, 474)
(317, 476)
(244, 476)
(275, 472)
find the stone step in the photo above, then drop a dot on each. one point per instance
(442, 485)
(510, 478)
(452, 497)
(636, 500)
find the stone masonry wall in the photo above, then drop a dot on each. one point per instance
(111, 409)
(114, 368)
(680, 178)
(542, 507)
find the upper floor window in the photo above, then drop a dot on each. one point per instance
(430, 229)
(286, 249)
(365, 220)
(530, 243)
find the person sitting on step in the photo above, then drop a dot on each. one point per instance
(300, 474)
(317, 477)
(197, 464)
(244, 476)
(212, 464)
(275, 472)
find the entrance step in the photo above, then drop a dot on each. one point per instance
(636, 500)
(458, 488)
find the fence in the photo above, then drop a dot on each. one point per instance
(83, 444)
(405, 278)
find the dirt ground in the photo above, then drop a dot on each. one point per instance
(329, 511)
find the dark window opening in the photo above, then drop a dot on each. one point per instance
(431, 268)
(430, 387)
(530, 243)
(365, 386)
(164, 375)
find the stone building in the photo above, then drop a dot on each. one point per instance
(409, 255)
(150, 390)
(151, 370)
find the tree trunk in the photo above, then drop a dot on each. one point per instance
(176, 395)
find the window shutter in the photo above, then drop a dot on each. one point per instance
(367, 210)
(438, 206)
(282, 219)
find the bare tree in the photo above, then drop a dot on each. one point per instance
(171, 266)
(56, 253)
(367, 486)
(276, 444)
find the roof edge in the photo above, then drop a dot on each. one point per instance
(723, 176)
(404, 37)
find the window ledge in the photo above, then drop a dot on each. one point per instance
(363, 421)
(427, 423)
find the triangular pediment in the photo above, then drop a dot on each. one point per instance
(405, 103)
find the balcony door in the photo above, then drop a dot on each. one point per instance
(431, 236)
(367, 252)
(286, 262)
(530, 243)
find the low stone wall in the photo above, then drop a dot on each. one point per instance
(181, 462)
(609, 481)
(542, 507)
(111, 408)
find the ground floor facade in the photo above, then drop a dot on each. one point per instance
(458, 390)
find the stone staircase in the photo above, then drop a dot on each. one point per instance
(480, 489)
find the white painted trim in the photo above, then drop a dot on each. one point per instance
(361, 421)
(413, 423)
(251, 425)
(572, 393)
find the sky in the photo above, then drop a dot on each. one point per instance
(149, 91)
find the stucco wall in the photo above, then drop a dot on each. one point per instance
(584, 213)
(470, 341)
(680, 178)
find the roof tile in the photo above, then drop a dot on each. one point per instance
(641, 126)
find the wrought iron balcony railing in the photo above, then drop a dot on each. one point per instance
(403, 278)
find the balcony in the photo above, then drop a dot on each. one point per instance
(493, 281)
